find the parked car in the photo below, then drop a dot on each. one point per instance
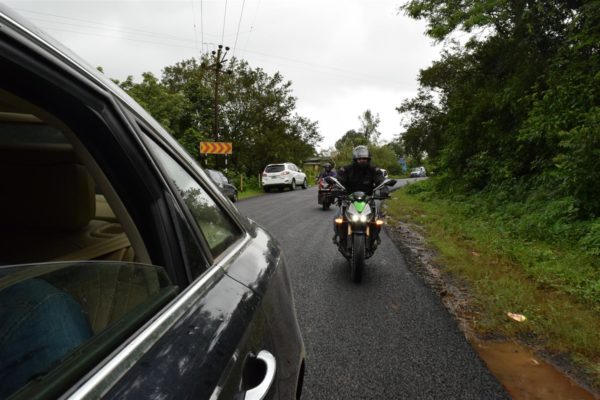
(124, 271)
(418, 172)
(223, 183)
(283, 175)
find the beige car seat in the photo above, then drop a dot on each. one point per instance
(48, 213)
(48, 207)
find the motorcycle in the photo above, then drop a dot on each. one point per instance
(324, 196)
(358, 225)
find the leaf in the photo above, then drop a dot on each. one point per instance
(517, 317)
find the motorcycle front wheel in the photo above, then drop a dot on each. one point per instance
(357, 261)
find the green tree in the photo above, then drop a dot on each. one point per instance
(256, 112)
(369, 124)
(517, 102)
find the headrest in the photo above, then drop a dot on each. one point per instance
(43, 186)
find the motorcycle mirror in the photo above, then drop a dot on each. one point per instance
(331, 180)
(390, 182)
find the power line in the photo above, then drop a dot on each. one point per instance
(224, 18)
(363, 77)
(238, 30)
(253, 22)
(202, 24)
(195, 29)
(125, 38)
(100, 25)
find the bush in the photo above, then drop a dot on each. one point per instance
(244, 182)
(590, 243)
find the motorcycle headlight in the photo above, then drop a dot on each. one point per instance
(363, 218)
(355, 218)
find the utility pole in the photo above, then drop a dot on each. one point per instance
(217, 65)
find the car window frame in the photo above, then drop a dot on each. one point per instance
(147, 134)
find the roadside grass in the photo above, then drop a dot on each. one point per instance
(249, 193)
(555, 286)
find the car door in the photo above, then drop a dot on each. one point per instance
(222, 333)
(300, 175)
(212, 334)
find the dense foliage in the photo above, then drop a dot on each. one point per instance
(516, 109)
(256, 113)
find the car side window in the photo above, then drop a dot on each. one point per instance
(216, 227)
(74, 276)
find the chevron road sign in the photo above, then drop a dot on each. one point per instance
(215, 148)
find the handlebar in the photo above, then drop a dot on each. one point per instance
(342, 195)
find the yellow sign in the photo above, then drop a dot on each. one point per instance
(216, 148)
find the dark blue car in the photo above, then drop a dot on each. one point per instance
(223, 184)
(124, 271)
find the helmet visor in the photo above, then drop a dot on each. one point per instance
(361, 152)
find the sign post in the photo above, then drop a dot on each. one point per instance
(224, 148)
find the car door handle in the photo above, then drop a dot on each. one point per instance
(260, 391)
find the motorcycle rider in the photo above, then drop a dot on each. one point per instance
(327, 171)
(358, 176)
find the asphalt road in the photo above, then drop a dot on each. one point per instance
(387, 338)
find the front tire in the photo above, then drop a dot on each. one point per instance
(357, 261)
(267, 190)
(304, 184)
(325, 205)
(293, 185)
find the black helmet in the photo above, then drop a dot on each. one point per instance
(327, 166)
(360, 152)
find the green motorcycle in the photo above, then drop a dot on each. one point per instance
(358, 224)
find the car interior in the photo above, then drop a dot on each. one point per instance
(61, 224)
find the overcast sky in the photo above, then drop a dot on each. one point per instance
(342, 56)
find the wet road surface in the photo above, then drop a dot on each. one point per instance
(387, 338)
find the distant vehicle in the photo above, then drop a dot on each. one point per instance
(223, 183)
(124, 272)
(283, 175)
(418, 172)
(384, 172)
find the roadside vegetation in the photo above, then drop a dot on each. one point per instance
(516, 257)
(249, 193)
(507, 122)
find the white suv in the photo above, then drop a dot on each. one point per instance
(283, 175)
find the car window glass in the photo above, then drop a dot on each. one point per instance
(61, 319)
(69, 275)
(218, 230)
(275, 168)
(213, 175)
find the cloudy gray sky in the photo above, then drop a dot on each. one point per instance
(342, 56)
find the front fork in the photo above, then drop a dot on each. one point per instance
(345, 235)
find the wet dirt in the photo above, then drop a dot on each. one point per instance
(524, 373)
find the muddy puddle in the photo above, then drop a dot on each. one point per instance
(527, 377)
